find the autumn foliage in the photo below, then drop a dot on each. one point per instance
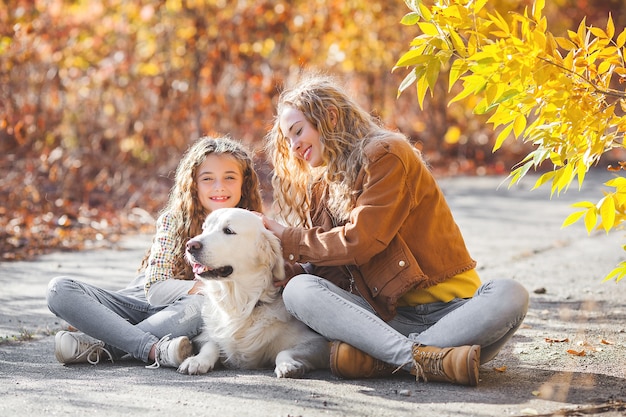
(99, 98)
(562, 94)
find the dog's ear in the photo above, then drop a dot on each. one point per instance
(274, 253)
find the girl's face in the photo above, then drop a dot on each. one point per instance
(219, 180)
(304, 139)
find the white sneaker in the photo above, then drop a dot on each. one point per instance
(76, 347)
(171, 353)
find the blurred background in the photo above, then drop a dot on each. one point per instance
(100, 98)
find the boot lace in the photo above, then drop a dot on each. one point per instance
(427, 363)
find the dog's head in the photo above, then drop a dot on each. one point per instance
(234, 242)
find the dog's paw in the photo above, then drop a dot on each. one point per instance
(194, 366)
(289, 370)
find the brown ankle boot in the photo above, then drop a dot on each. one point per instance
(348, 362)
(457, 365)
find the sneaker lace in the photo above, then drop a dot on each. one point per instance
(157, 352)
(96, 350)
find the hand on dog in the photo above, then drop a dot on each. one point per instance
(272, 225)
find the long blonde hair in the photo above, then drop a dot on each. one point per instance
(184, 207)
(322, 101)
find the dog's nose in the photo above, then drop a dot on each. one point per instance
(194, 245)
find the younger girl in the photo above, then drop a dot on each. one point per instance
(389, 278)
(154, 317)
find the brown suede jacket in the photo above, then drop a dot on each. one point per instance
(400, 235)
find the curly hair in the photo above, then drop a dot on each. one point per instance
(344, 130)
(184, 205)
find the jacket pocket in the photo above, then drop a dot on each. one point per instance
(392, 272)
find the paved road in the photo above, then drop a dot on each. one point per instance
(511, 233)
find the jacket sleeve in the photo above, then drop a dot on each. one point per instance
(384, 203)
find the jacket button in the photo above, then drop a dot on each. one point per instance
(375, 289)
(401, 263)
(291, 257)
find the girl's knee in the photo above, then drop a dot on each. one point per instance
(298, 290)
(513, 294)
(56, 288)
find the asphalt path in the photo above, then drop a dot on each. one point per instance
(569, 357)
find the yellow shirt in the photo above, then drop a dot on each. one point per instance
(463, 285)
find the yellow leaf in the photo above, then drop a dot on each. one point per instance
(452, 135)
(607, 212)
(610, 27)
(567, 44)
(432, 72)
(621, 39)
(413, 57)
(457, 43)
(537, 9)
(591, 218)
(519, 125)
(584, 204)
(543, 179)
(581, 170)
(502, 136)
(598, 32)
(458, 68)
(428, 28)
(572, 218)
(421, 90)
(617, 273)
(499, 21)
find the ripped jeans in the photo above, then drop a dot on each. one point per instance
(123, 319)
(488, 319)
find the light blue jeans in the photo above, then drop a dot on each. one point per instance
(489, 319)
(123, 320)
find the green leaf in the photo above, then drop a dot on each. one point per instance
(410, 18)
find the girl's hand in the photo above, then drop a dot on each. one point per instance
(272, 225)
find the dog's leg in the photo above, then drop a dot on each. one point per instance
(307, 356)
(203, 362)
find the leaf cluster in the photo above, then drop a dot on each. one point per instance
(560, 94)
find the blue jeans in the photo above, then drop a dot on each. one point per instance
(488, 319)
(123, 320)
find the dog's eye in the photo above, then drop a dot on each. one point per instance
(228, 231)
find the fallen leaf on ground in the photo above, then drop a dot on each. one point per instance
(549, 340)
(576, 352)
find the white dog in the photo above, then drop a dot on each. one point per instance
(246, 324)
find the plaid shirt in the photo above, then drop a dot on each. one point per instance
(162, 257)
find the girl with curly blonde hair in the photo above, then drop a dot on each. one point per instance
(386, 273)
(156, 315)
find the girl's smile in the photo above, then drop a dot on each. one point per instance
(303, 138)
(219, 180)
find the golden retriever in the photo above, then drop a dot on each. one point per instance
(246, 324)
